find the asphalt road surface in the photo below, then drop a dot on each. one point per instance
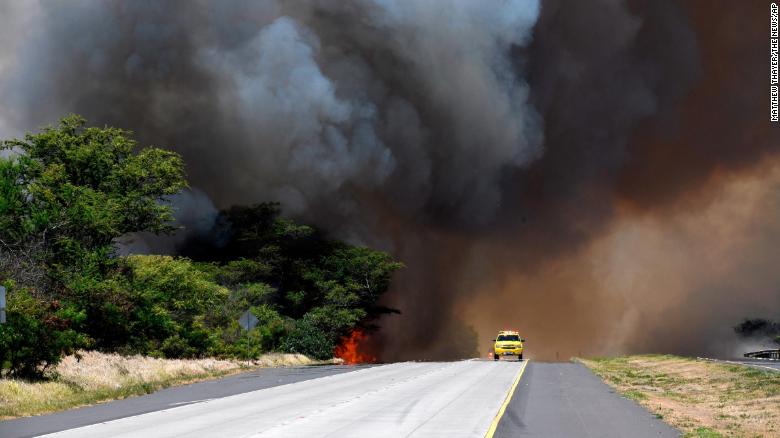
(445, 399)
(766, 364)
(567, 400)
(166, 398)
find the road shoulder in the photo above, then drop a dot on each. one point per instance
(698, 396)
(567, 400)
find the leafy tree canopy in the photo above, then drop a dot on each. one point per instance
(67, 192)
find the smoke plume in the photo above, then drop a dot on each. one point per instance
(601, 175)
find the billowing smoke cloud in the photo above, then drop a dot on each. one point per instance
(674, 283)
(300, 102)
(498, 148)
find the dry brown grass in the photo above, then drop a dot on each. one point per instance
(94, 377)
(699, 397)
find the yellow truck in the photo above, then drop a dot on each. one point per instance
(508, 343)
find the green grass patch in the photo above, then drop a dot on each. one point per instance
(635, 395)
(703, 432)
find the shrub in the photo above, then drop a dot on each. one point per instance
(37, 335)
(170, 299)
(306, 338)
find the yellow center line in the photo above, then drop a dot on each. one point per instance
(501, 411)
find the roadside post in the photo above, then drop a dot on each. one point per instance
(2, 304)
(248, 321)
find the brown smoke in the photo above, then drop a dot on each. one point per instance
(659, 241)
(675, 282)
(691, 245)
(721, 126)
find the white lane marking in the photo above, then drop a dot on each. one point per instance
(190, 402)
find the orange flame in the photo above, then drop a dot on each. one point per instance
(348, 349)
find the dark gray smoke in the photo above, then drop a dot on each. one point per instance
(480, 142)
(303, 102)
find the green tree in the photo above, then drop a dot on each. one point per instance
(326, 286)
(69, 191)
(66, 193)
(37, 334)
(171, 304)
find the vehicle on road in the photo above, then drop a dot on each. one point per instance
(508, 343)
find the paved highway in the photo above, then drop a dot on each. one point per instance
(447, 399)
(454, 399)
(166, 398)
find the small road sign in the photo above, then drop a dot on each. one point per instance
(2, 304)
(248, 321)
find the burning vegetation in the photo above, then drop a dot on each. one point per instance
(349, 349)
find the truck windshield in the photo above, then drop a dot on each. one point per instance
(508, 338)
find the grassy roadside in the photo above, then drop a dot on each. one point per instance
(97, 377)
(700, 398)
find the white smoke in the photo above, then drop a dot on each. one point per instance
(308, 142)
